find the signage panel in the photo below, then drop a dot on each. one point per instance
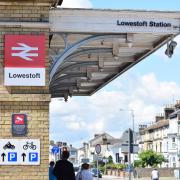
(19, 124)
(19, 151)
(30, 152)
(24, 76)
(98, 148)
(55, 149)
(24, 60)
(115, 22)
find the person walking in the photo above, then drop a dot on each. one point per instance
(51, 168)
(84, 174)
(64, 169)
(155, 174)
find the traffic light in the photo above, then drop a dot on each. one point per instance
(131, 141)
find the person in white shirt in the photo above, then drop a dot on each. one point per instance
(155, 174)
(84, 174)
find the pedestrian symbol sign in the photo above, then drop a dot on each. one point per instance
(19, 151)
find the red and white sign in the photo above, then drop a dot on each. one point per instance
(19, 119)
(24, 60)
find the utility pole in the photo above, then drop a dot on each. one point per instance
(131, 150)
(129, 153)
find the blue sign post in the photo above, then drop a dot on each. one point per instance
(55, 150)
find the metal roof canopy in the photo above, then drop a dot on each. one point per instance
(89, 47)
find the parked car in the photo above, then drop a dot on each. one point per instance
(76, 169)
(96, 172)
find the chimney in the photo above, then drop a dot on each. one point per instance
(64, 144)
(159, 118)
(168, 111)
(142, 127)
(51, 142)
(59, 143)
(96, 135)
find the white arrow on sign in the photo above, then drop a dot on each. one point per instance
(24, 49)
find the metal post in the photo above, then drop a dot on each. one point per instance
(129, 158)
(105, 165)
(97, 168)
(132, 113)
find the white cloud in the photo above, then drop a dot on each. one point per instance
(82, 117)
(76, 4)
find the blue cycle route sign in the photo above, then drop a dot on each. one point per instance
(129, 168)
(55, 150)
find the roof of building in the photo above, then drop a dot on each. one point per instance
(157, 125)
(84, 60)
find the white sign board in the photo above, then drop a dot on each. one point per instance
(112, 22)
(24, 60)
(19, 151)
(24, 76)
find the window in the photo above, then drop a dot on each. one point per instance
(73, 153)
(117, 158)
(173, 139)
(160, 146)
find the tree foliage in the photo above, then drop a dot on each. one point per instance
(150, 158)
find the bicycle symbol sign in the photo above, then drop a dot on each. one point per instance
(29, 145)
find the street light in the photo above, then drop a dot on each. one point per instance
(132, 115)
(105, 142)
(131, 133)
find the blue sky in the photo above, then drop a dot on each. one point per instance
(146, 88)
(138, 4)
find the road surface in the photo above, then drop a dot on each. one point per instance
(118, 178)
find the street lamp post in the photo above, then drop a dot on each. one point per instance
(105, 142)
(132, 114)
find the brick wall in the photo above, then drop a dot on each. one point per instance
(13, 16)
(164, 172)
(25, 17)
(37, 109)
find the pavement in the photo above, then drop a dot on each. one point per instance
(105, 177)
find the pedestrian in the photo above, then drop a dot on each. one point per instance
(84, 174)
(51, 168)
(64, 169)
(155, 174)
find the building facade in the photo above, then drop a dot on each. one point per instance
(163, 136)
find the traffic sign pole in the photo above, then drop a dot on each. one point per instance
(129, 155)
(98, 151)
(97, 166)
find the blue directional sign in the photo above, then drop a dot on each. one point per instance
(12, 156)
(55, 150)
(129, 168)
(33, 157)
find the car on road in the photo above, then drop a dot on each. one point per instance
(76, 169)
(96, 173)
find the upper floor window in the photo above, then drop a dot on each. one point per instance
(73, 153)
(173, 139)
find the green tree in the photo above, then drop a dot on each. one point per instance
(110, 159)
(150, 158)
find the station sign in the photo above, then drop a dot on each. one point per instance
(19, 151)
(148, 25)
(24, 60)
(19, 124)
